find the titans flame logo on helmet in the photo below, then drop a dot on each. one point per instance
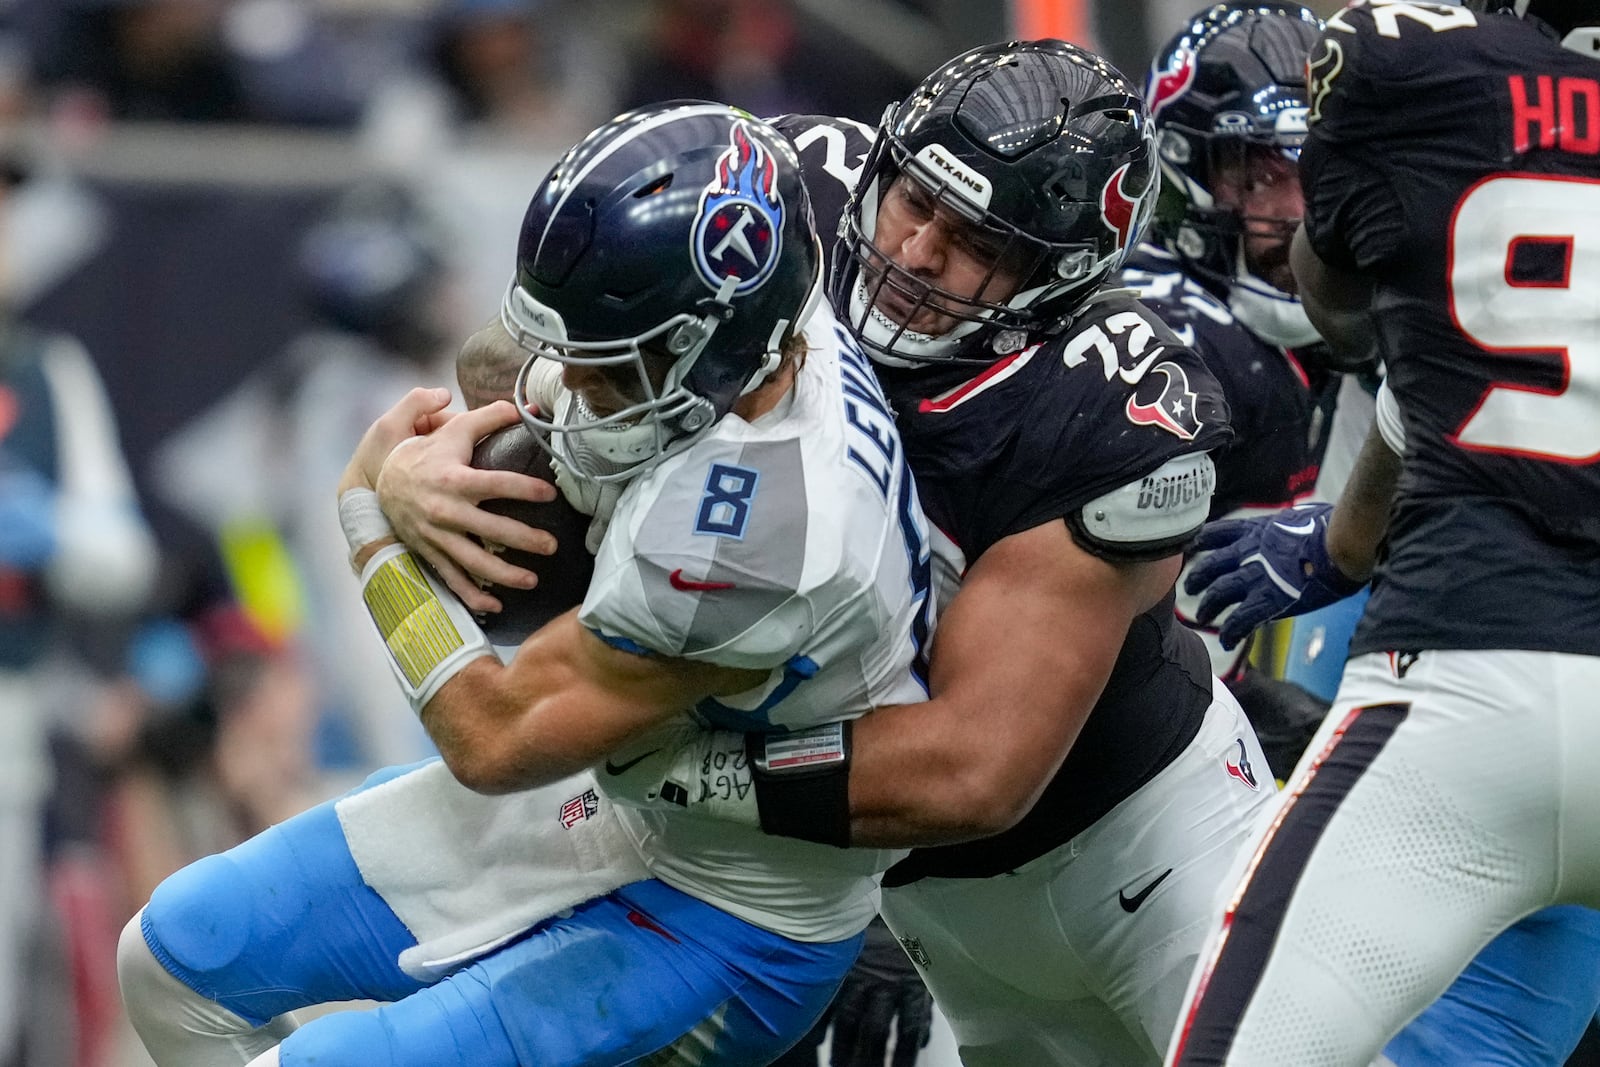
(738, 228)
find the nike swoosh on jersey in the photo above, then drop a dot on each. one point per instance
(1298, 528)
(1131, 904)
(690, 585)
(627, 765)
(1136, 372)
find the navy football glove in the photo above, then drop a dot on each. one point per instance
(1272, 567)
(882, 994)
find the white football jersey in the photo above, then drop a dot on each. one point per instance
(794, 544)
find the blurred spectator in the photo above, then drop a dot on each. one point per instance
(501, 70)
(501, 65)
(73, 546)
(765, 56)
(162, 60)
(260, 468)
(201, 742)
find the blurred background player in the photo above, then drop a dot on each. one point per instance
(259, 467)
(74, 553)
(1228, 98)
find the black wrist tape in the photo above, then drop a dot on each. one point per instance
(802, 783)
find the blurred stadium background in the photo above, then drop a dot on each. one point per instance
(264, 219)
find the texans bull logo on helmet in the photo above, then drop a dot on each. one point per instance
(1167, 85)
(738, 229)
(1117, 208)
(1172, 405)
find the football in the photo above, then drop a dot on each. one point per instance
(563, 577)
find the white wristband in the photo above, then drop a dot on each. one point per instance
(429, 634)
(362, 519)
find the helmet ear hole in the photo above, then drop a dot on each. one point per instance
(1075, 266)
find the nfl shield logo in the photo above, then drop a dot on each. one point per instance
(579, 808)
(913, 948)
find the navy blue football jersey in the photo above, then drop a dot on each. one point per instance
(1454, 159)
(1280, 402)
(1028, 437)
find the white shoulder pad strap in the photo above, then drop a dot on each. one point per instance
(1152, 516)
(1388, 420)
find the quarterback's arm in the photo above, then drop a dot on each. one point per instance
(1020, 657)
(565, 701)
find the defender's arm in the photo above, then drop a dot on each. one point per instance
(1019, 659)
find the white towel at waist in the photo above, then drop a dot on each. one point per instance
(467, 873)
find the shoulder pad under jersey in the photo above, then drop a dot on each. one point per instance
(832, 152)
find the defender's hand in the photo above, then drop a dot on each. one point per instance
(882, 994)
(1272, 567)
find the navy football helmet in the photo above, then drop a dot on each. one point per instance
(1576, 22)
(1226, 91)
(374, 264)
(1045, 150)
(674, 250)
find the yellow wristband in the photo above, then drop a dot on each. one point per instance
(428, 632)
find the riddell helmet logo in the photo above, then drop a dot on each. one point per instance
(972, 186)
(738, 229)
(1169, 84)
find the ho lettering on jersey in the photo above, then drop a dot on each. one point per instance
(1550, 111)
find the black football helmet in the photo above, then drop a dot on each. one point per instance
(1576, 22)
(374, 264)
(1047, 151)
(1230, 83)
(676, 238)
